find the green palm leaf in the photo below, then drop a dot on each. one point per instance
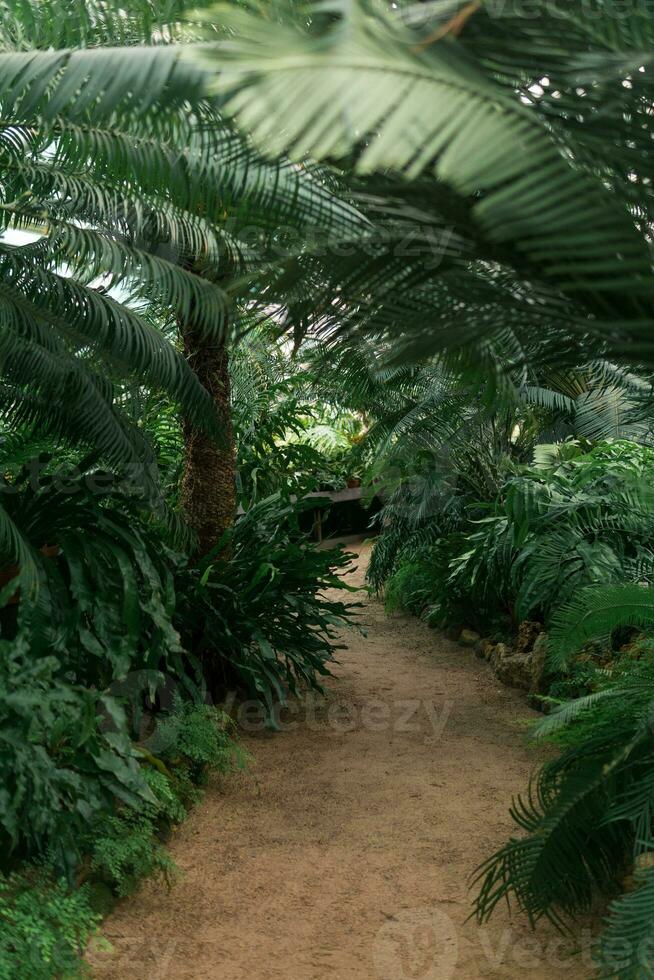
(594, 613)
(367, 84)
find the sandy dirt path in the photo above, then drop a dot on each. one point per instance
(345, 853)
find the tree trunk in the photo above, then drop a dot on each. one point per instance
(208, 484)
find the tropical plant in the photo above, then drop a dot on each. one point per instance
(194, 739)
(582, 522)
(573, 525)
(66, 758)
(189, 741)
(83, 185)
(270, 412)
(44, 927)
(96, 589)
(587, 823)
(125, 195)
(264, 621)
(46, 921)
(125, 849)
(503, 142)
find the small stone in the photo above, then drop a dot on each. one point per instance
(499, 653)
(528, 633)
(486, 649)
(511, 668)
(468, 638)
(538, 658)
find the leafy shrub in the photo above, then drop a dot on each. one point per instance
(192, 739)
(168, 806)
(44, 927)
(125, 848)
(262, 620)
(197, 738)
(410, 588)
(579, 679)
(571, 521)
(86, 617)
(103, 605)
(286, 439)
(587, 822)
(406, 537)
(422, 585)
(597, 613)
(552, 532)
(60, 767)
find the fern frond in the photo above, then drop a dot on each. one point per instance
(594, 613)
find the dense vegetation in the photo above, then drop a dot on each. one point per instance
(257, 252)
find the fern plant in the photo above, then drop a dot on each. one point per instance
(586, 823)
(125, 850)
(44, 927)
(585, 521)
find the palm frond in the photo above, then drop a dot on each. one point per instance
(594, 613)
(74, 81)
(369, 85)
(626, 943)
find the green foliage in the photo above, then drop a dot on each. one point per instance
(410, 588)
(493, 193)
(188, 743)
(364, 48)
(195, 739)
(502, 142)
(95, 626)
(595, 614)
(587, 819)
(62, 763)
(124, 193)
(264, 619)
(269, 407)
(580, 678)
(74, 624)
(125, 849)
(625, 951)
(398, 543)
(567, 540)
(558, 529)
(287, 439)
(44, 927)
(421, 582)
(167, 806)
(103, 602)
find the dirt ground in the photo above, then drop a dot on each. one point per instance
(345, 852)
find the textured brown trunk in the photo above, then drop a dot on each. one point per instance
(208, 484)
